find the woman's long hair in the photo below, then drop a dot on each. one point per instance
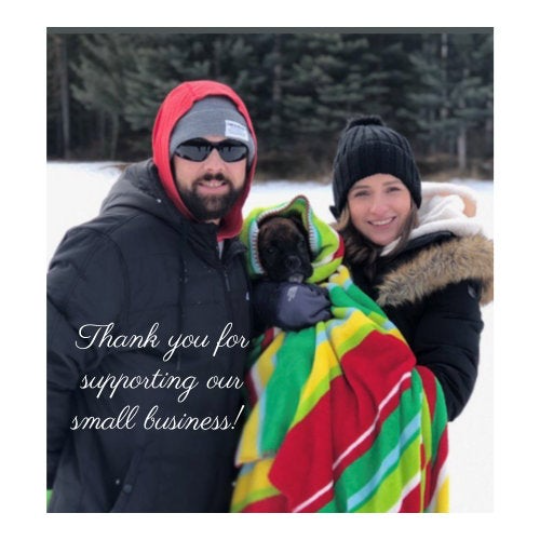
(360, 251)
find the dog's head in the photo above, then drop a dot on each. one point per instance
(284, 249)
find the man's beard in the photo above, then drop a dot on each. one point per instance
(209, 207)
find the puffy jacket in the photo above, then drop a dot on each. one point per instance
(167, 446)
(433, 290)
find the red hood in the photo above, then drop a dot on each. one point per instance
(178, 102)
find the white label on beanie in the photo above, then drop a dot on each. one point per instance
(235, 130)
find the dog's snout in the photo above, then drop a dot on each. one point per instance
(293, 262)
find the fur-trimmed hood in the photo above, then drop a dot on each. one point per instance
(437, 266)
(445, 208)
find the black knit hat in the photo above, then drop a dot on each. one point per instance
(368, 147)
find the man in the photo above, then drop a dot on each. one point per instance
(148, 321)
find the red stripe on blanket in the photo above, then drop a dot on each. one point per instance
(436, 467)
(341, 416)
(393, 359)
(411, 502)
(303, 464)
(340, 252)
(428, 483)
(252, 396)
(276, 504)
(442, 453)
(268, 337)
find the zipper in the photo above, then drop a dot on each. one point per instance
(181, 290)
(228, 302)
(227, 282)
(225, 262)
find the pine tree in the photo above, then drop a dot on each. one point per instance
(453, 96)
(320, 86)
(300, 90)
(471, 95)
(164, 61)
(105, 62)
(58, 98)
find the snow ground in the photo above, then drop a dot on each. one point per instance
(74, 195)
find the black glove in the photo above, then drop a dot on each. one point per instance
(291, 306)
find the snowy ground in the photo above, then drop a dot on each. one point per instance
(74, 195)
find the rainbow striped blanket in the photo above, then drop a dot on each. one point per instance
(342, 419)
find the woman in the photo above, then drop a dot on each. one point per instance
(425, 262)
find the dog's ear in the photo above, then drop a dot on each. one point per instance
(297, 220)
(264, 225)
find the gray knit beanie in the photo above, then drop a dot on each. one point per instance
(212, 116)
(368, 147)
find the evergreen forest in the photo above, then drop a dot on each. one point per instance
(104, 89)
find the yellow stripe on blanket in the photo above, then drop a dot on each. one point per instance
(325, 369)
(265, 366)
(253, 484)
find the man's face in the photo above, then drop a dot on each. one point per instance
(209, 188)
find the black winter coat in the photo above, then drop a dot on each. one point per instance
(140, 263)
(432, 291)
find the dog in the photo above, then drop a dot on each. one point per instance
(283, 247)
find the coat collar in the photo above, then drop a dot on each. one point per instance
(436, 266)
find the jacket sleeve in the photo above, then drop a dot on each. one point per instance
(85, 285)
(447, 341)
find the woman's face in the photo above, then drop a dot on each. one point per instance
(379, 206)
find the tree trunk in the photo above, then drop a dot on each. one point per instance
(488, 137)
(217, 46)
(444, 112)
(462, 149)
(462, 136)
(63, 78)
(275, 120)
(115, 131)
(102, 133)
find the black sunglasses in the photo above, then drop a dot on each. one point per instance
(199, 149)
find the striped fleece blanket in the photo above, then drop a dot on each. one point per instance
(342, 419)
